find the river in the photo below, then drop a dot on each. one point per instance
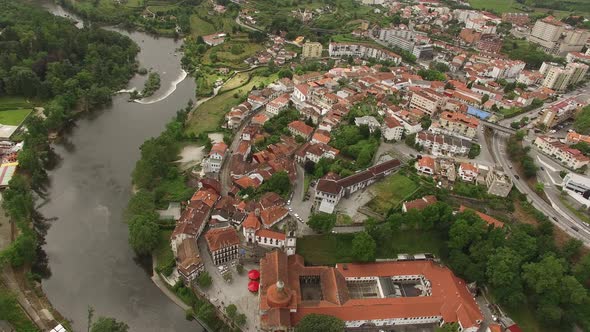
(89, 257)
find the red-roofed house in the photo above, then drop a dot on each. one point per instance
(299, 128)
(468, 172)
(215, 159)
(278, 104)
(488, 219)
(419, 204)
(426, 165)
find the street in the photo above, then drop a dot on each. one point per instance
(555, 214)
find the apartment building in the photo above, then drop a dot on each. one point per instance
(498, 183)
(223, 244)
(559, 78)
(559, 112)
(576, 183)
(459, 123)
(546, 33)
(362, 51)
(443, 145)
(427, 102)
(392, 129)
(401, 37)
(311, 50)
(571, 158)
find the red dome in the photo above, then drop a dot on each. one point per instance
(253, 286)
(254, 275)
(278, 295)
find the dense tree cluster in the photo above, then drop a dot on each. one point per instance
(521, 263)
(357, 143)
(582, 121)
(322, 222)
(47, 57)
(518, 153)
(320, 323)
(527, 52)
(158, 182)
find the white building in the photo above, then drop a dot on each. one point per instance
(571, 158)
(214, 161)
(392, 129)
(367, 120)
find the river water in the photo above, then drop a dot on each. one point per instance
(89, 257)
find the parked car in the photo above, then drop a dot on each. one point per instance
(542, 168)
(517, 177)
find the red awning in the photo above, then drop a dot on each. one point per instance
(253, 286)
(254, 275)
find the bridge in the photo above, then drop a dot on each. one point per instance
(498, 127)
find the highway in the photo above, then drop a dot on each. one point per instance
(555, 214)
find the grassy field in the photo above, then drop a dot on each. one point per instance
(163, 252)
(238, 80)
(13, 110)
(390, 192)
(7, 103)
(525, 317)
(208, 115)
(232, 53)
(14, 117)
(501, 6)
(200, 27)
(329, 249)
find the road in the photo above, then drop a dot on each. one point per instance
(556, 215)
(582, 94)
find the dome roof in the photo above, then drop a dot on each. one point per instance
(278, 295)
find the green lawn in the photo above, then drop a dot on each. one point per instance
(163, 252)
(13, 117)
(200, 27)
(232, 53)
(238, 80)
(208, 116)
(390, 192)
(501, 6)
(7, 103)
(329, 249)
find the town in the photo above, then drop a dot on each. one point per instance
(348, 165)
(315, 144)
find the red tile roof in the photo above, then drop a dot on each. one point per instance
(280, 289)
(420, 203)
(488, 219)
(251, 222)
(271, 234)
(219, 238)
(301, 127)
(273, 215)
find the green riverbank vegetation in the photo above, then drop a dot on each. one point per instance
(46, 61)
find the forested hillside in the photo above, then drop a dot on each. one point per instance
(49, 62)
(47, 58)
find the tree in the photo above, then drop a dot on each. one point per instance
(503, 275)
(231, 311)
(539, 187)
(105, 324)
(364, 247)
(322, 222)
(240, 319)
(285, 73)
(206, 312)
(484, 99)
(474, 151)
(141, 203)
(204, 280)
(425, 122)
(582, 121)
(320, 323)
(144, 234)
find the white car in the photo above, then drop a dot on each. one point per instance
(289, 202)
(290, 209)
(296, 215)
